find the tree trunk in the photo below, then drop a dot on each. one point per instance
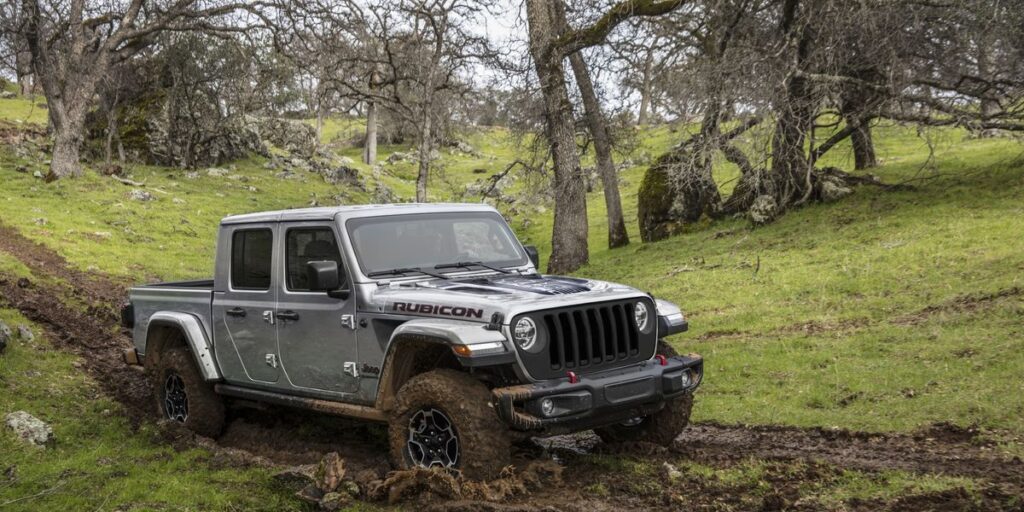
(863, 145)
(645, 89)
(569, 249)
(424, 157)
(23, 70)
(319, 123)
(617, 235)
(370, 144)
(66, 153)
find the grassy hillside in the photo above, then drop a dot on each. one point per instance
(886, 311)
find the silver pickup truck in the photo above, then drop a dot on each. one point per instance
(430, 318)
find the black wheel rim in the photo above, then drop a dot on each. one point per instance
(175, 398)
(433, 441)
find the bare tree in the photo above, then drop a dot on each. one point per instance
(549, 46)
(598, 126)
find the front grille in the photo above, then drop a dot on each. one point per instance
(588, 338)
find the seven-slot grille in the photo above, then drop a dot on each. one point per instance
(588, 338)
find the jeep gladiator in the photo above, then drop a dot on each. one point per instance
(431, 318)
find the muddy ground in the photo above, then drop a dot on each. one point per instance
(79, 312)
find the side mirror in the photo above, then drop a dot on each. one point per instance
(533, 254)
(323, 276)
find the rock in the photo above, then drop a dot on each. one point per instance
(191, 175)
(22, 169)
(349, 487)
(178, 200)
(341, 174)
(670, 472)
(217, 171)
(25, 334)
(140, 195)
(334, 501)
(37, 174)
(7, 95)
(291, 135)
(5, 336)
(41, 221)
(29, 428)
(331, 472)
(832, 189)
(346, 161)
(398, 156)
(763, 210)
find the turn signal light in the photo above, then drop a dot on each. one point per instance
(462, 350)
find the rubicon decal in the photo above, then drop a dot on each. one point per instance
(435, 309)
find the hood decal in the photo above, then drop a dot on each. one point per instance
(541, 285)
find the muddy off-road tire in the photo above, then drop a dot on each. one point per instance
(444, 418)
(183, 396)
(662, 427)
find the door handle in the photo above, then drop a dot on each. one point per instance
(288, 315)
(235, 312)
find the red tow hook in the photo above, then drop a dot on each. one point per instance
(573, 378)
(661, 359)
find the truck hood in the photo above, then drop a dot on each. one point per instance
(478, 298)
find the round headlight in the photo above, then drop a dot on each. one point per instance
(525, 333)
(642, 316)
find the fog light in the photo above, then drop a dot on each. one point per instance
(547, 407)
(686, 379)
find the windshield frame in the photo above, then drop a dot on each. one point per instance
(353, 223)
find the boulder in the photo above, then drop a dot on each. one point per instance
(140, 195)
(763, 210)
(832, 189)
(341, 174)
(217, 171)
(5, 336)
(28, 428)
(398, 156)
(290, 135)
(7, 95)
(25, 334)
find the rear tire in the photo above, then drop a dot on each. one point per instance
(183, 396)
(662, 427)
(445, 418)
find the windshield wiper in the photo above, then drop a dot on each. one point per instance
(396, 271)
(468, 264)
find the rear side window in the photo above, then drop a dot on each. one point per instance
(305, 245)
(251, 253)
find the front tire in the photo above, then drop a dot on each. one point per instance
(444, 418)
(183, 396)
(662, 427)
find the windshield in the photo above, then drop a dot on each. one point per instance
(424, 241)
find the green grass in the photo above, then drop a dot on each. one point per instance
(97, 461)
(869, 313)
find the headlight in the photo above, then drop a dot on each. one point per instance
(525, 333)
(642, 316)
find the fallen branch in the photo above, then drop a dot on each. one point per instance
(126, 181)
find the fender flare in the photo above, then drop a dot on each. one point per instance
(195, 336)
(428, 332)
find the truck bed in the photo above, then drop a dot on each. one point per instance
(192, 297)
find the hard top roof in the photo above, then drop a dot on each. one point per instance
(366, 210)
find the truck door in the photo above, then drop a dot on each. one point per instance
(315, 333)
(243, 310)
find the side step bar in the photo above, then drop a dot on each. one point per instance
(313, 404)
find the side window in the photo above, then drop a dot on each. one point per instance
(303, 245)
(251, 253)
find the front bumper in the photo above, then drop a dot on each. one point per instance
(599, 399)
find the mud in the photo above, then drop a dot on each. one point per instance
(78, 311)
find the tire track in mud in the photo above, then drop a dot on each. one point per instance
(282, 437)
